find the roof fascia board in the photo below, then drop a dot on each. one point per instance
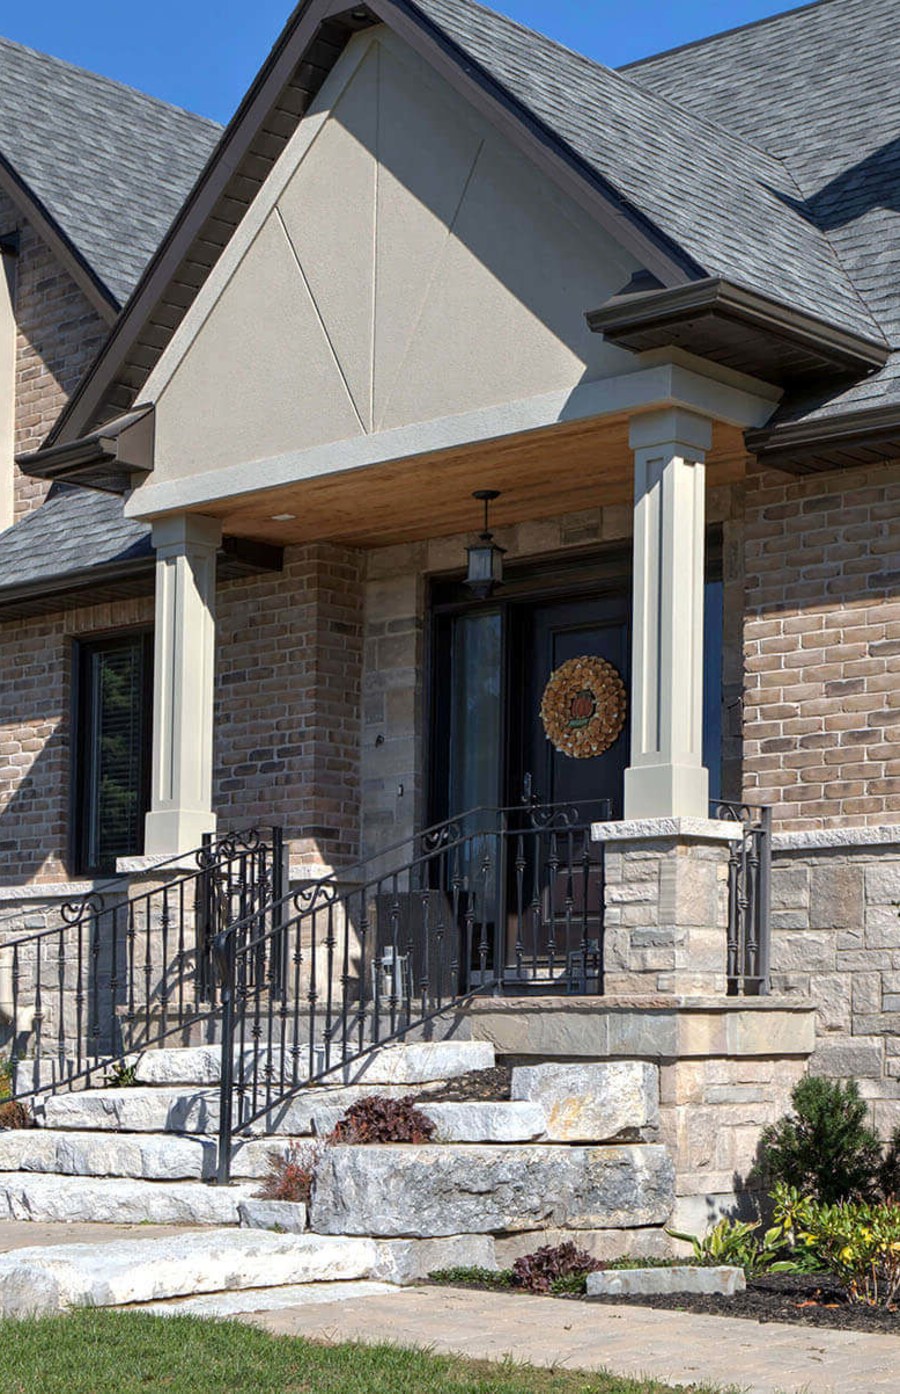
(225, 159)
(718, 296)
(49, 231)
(802, 439)
(626, 224)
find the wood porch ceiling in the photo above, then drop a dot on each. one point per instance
(541, 474)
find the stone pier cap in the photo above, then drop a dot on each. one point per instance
(660, 829)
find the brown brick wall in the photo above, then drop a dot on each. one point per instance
(289, 675)
(822, 646)
(35, 698)
(59, 334)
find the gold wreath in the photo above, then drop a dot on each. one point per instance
(583, 707)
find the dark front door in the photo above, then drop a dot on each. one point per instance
(548, 636)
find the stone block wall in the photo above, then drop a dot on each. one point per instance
(822, 646)
(59, 333)
(666, 915)
(836, 942)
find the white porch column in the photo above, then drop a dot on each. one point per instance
(181, 799)
(667, 777)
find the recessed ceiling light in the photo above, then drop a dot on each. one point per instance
(283, 517)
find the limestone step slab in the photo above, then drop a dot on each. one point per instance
(33, 1196)
(45, 1280)
(500, 1121)
(174, 1109)
(140, 1156)
(238, 1304)
(417, 1063)
(642, 1282)
(609, 1101)
(477, 1189)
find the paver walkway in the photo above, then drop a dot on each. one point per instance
(672, 1346)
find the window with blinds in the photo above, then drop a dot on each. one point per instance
(113, 714)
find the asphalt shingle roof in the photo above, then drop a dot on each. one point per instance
(735, 208)
(111, 165)
(73, 530)
(820, 89)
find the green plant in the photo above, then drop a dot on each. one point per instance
(736, 1244)
(380, 1119)
(291, 1175)
(6, 1079)
(554, 1268)
(825, 1148)
(855, 1241)
(15, 1116)
(121, 1075)
(889, 1171)
(474, 1276)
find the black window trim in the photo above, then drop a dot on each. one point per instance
(82, 645)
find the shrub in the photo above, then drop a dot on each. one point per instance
(825, 1149)
(379, 1119)
(291, 1175)
(735, 1244)
(554, 1268)
(14, 1115)
(889, 1171)
(6, 1080)
(855, 1241)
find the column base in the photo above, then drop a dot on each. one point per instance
(667, 791)
(168, 832)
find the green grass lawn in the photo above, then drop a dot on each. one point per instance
(102, 1352)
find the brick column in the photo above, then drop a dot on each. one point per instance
(184, 661)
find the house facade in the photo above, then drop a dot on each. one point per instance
(651, 314)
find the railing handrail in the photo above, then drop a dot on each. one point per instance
(345, 874)
(74, 912)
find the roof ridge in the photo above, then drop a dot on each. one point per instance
(107, 81)
(619, 73)
(723, 34)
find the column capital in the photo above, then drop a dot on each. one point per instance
(181, 532)
(681, 432)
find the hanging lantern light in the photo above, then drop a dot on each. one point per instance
(485, 571)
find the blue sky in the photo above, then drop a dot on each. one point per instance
(202, 54)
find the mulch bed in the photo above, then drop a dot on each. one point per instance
(784, 1297)
(798, 1300)
(478, 1086)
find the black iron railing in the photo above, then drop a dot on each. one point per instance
(749, 899)
(494, 900)
(123, 971)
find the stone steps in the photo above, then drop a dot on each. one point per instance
(135, 1156)
(50, 1197)
(217, 1305)
(123, 1273)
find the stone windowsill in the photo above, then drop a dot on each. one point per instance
(651, 1002)
(48, 890)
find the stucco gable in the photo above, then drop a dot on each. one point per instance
(402, 264)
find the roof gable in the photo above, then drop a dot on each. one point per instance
(702, 203)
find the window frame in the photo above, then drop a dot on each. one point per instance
(83, 647)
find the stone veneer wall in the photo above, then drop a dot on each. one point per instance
(59, 333)
(836, 942)
(822, 646)
(396, 586)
